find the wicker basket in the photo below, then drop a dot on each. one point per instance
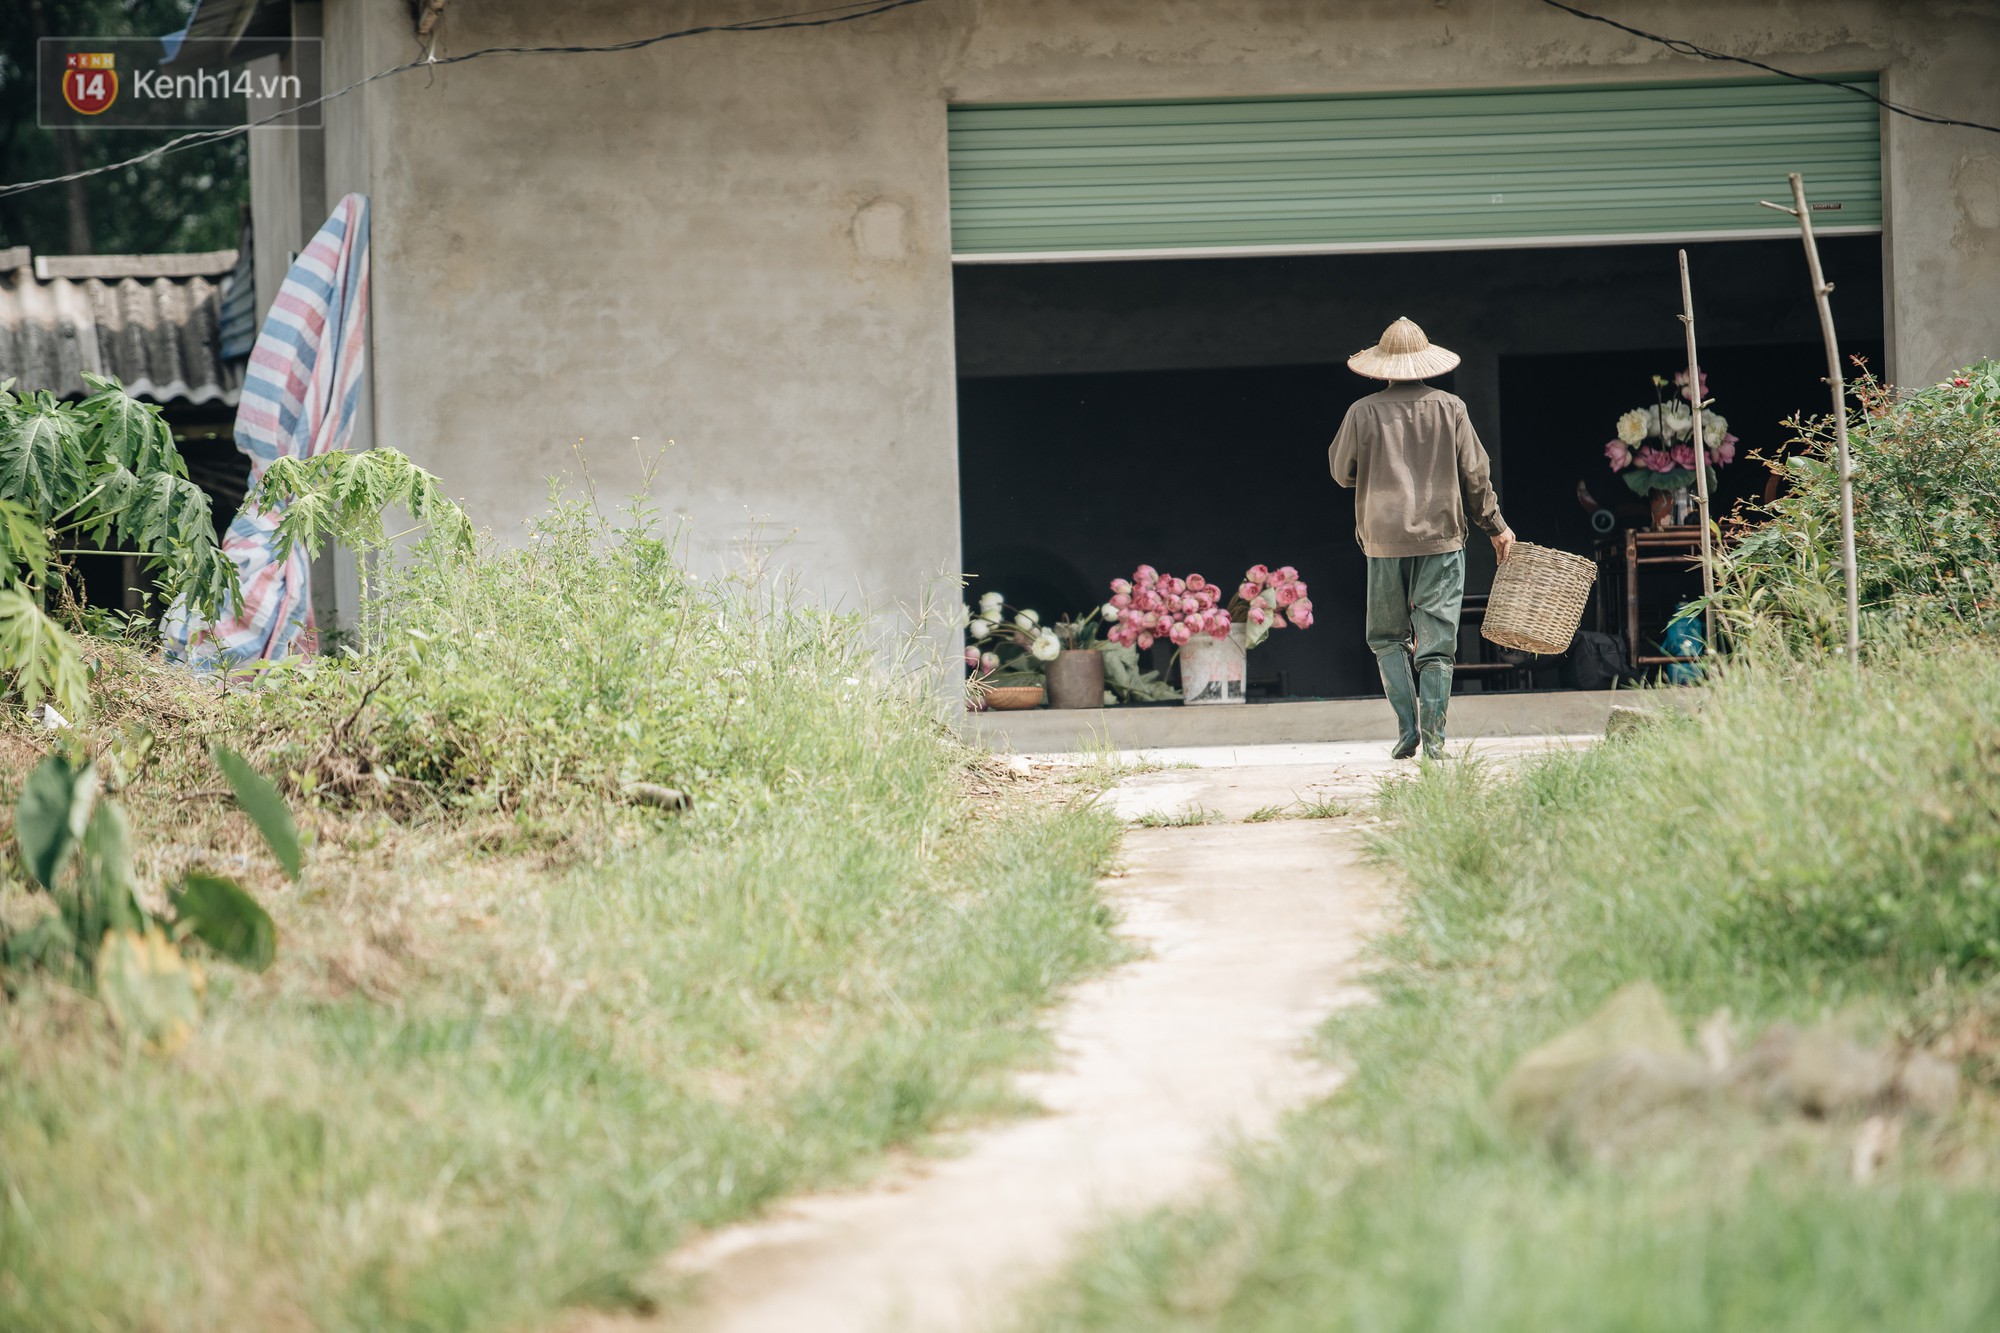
(1537, 599)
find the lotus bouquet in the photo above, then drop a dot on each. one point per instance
(1654, 450)
(1271, 599)
(1151, 606)
(1016, 639)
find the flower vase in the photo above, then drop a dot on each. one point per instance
(1214, 671)
(1662, 503)
(1076, 679)
(1683, 506)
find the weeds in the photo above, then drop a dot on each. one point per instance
(1187, 817)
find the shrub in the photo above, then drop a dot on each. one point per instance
(585, 660)
(1926, 469)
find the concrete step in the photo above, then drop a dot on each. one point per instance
(1287, 722)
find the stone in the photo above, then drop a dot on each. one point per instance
(663, 798)
(1593, 1063)
(1627, 721)
(1927, 1085)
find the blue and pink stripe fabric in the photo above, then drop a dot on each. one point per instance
(301, 395)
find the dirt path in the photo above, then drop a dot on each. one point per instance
(1252, 933)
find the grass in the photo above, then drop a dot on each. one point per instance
(1191, 816)
(1305, 807)
(522, 1039)
(1814, 842)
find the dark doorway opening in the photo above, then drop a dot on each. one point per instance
(1177, 412)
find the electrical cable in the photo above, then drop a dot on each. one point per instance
(805, 18)
(1681, 46)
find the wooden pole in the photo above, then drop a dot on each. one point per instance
(1694, 396)
(1821, 290)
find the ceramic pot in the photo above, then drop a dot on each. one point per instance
(1214, 671)
(1076, 679)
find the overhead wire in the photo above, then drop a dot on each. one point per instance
(1682, 46)
(805, 18)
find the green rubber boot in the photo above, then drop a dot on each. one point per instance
(1401, 687)
(1433, 700)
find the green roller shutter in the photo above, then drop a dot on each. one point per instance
(1437, 170)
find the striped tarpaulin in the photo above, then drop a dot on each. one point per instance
(301, 393)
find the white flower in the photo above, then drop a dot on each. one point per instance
(1111, 612)
(980, 629)
(989, 604)
(1047, 647)
(1678, 420)
(1713, 427)
(1027, 620)
(1632, 427)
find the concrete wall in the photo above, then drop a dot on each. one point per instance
(740, 242)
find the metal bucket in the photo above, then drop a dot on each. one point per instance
(1213, 671)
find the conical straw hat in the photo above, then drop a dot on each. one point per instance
(1403, 354)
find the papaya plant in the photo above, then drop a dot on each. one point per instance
(99, 477)
(103, 477)
(75, 844)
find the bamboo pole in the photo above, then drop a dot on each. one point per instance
(1694, 396)
(1821, 290)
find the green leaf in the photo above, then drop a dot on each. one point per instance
(41, 658)
(24, 542)
(121, 429)
(52, 814)
(42, 466)
(222, 915)
(108, 899)
(49, 944)
(266, 808)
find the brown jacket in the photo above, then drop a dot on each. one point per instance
(1415, 465)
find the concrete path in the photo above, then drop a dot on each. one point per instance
(1252, 933)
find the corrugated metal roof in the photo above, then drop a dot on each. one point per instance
(151, 320)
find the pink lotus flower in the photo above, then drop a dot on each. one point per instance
(1694, 395)
(1123, 587)
(1258, 615)
(1286, 575)
(989, 663)
(972, 658)
(1147, 600)
(1180, 634)
(1145, 574)
(1196, 583)
(1653, 460)
(1218, 623)
(1684, 457)
(1301, 613)
(1150, 619)
(1258, 574)
(1121, 600)
(1247, 591)
(1726, 452)
(1145, 641)
(1288, 594)
(1620, 456)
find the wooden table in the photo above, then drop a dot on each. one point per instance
(1620, 563)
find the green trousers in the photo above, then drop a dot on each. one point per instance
(1413, 603)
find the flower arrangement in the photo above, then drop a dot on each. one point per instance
(1151, 606)
(1023, 632)
(1654, 450)
(1271, 599)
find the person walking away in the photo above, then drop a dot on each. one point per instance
(1415, 465)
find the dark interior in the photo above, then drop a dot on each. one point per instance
(1177, 412)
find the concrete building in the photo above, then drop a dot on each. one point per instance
(778, 250)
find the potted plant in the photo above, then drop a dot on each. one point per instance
(1213, 638)
(1654, 451)
(1007, 653)
(1076, 673)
